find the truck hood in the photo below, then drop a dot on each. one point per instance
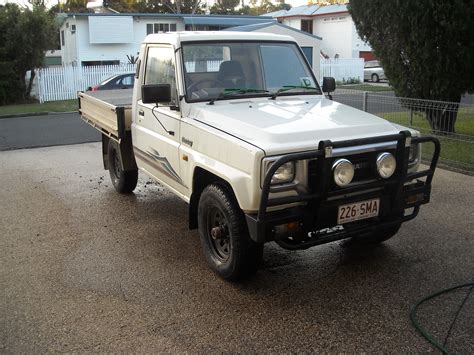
(290, 124)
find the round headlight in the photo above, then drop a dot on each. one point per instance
(343, 172)
(386, 165)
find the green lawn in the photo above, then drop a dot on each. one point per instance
(457, 150)
(365, 87)
(53, 106)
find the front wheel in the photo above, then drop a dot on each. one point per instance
(375, 78)
(379, 236)
(224, 236)
(123, 181)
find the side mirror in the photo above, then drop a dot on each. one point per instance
(152, 94)
(329, 84)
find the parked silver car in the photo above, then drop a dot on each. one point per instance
(373, 71)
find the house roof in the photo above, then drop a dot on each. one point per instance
(309, 10)
(225, 20)
(275, 13)
(258, 26)
(189, 19)
(149, 14)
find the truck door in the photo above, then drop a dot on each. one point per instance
(157, 128)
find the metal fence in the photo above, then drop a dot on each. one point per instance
(343, 70)
(63, 83)
(452, 123)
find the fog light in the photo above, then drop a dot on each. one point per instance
(343, 172)
(386, 165)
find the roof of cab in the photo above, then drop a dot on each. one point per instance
(187, 36)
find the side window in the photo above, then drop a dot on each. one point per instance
(160, 69)
(127, 80)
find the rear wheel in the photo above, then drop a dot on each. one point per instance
(375, 78)
(224, 236)
(381, 235)
(123, 181)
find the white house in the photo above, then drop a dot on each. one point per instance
(333, 24)
(310, 44)
(106, 39)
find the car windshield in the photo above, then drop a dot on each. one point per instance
(216, 71)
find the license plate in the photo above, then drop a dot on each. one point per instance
(358, 210)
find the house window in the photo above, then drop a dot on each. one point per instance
(62, 38)
(90, 63)
(160, 27)
(307, 26)
(204, 27)
(308, 53)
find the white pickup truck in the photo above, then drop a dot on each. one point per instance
(237, 126)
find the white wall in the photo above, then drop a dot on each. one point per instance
(358, 44)
(78, 47)
(68, 51)
(293, 22)
(336, 33)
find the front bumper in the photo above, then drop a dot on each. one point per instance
(403, 191)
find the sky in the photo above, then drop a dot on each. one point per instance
(53, 2)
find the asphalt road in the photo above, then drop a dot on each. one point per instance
(84, 269)
(44, 131)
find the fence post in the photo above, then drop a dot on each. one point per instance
(365, 96)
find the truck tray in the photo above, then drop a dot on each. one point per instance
(109, 111)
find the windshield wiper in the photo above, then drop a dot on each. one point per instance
(237, 91)
(291, 87)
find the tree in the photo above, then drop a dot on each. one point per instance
(75, 6)
(426, 49)
(265, 7)
(25, 36)
(225, 7)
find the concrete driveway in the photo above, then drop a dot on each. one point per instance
(83, 268)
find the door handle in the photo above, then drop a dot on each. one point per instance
(141, 113)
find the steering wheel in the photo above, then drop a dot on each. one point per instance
(195, 84)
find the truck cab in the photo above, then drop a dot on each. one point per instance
(237, 125)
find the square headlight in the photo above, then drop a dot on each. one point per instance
(284, 174)
(414, 153)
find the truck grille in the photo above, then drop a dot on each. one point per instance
(365, 169)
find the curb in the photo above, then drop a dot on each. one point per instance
(32, 114)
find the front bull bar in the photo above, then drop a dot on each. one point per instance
(259, 223)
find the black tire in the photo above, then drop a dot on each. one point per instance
(381, 235)
(123, 181)
(375, 78)
(230, 253)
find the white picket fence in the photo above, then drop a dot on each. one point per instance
(342, 69)
(63, 83)
(207, 66)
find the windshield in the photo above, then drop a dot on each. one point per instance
(215, 71)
